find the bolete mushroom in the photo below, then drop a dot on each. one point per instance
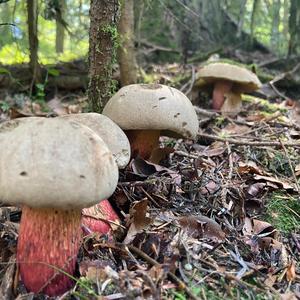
(146, 111)
(228, 82)
(52, 168)
(101, 217)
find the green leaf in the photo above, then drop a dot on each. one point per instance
(4, 71)
(53, 72)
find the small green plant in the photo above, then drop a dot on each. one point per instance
(4, 106)
(283, 212)
(40, 92)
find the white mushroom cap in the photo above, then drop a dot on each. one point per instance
(54, 163)
(155, 107)
(243, 79)
(110, 132)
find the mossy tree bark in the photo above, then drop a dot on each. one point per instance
(294, 24)
(103, 38)
(60, 29)
(32, 21)
(126, 51)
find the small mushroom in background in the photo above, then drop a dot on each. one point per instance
(94, 217)
(228, 82)
(52, 168)
(146, 111)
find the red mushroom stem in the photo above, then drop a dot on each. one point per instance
(97, 217)
(48, 244)
(143, 142)
(221, 87)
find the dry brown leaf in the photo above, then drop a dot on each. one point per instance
(249, 168)
(97, 270)
(277, 182)
(138, 220)
(159, 154)
(145, 168)
(209, 188)
(291, 272)
(202, 227)
(288, 296)
(256, 188)
(255, 117)
(233, 129)
(256, 227)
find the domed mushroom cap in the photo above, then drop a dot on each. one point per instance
(243, 79)
(109, 131)
(54, 163)
(155, 107)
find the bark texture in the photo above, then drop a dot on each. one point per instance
(294, 24)
(103, 37)
(32, 21)
(60, 29)
(126, 51)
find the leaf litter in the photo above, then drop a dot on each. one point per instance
(194, 218)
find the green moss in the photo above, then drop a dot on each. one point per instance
(205, 292)
(264, 104)
(283, 212)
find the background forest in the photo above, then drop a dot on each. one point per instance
(184, 28)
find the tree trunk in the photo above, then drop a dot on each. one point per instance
(253, 19)
(126, 51)
(32, 21)
(275, 24)
(103, 37)
(294, 24)
(60, 30)
(5, 30)
(241, 18)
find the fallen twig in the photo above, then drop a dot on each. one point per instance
(153, 262)
(248, 143)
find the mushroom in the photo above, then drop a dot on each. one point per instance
(229, 82)
(52, 168)
(146, 111)
(94, 217)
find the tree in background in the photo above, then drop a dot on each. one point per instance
(60, 26)
(294, 25)
(103, 36)
(32, 21)
(126, 51)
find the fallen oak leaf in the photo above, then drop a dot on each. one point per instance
(138, 220)
(202, 227)
(145, 168)
(291, 272)
(279, 183)
(159, 154)
(249, 168)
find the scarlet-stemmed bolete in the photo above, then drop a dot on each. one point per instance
(146, 111)
(101, 217)
(228, 82)
(52, 168)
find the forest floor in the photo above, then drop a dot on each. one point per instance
(215, 218)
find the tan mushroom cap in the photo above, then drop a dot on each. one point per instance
(155, 107)
(54, 163)
(109, 131)
(243, 79)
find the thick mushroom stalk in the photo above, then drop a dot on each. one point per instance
(100, 218)
(221, 87)
(143, 142)
(48, 244)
